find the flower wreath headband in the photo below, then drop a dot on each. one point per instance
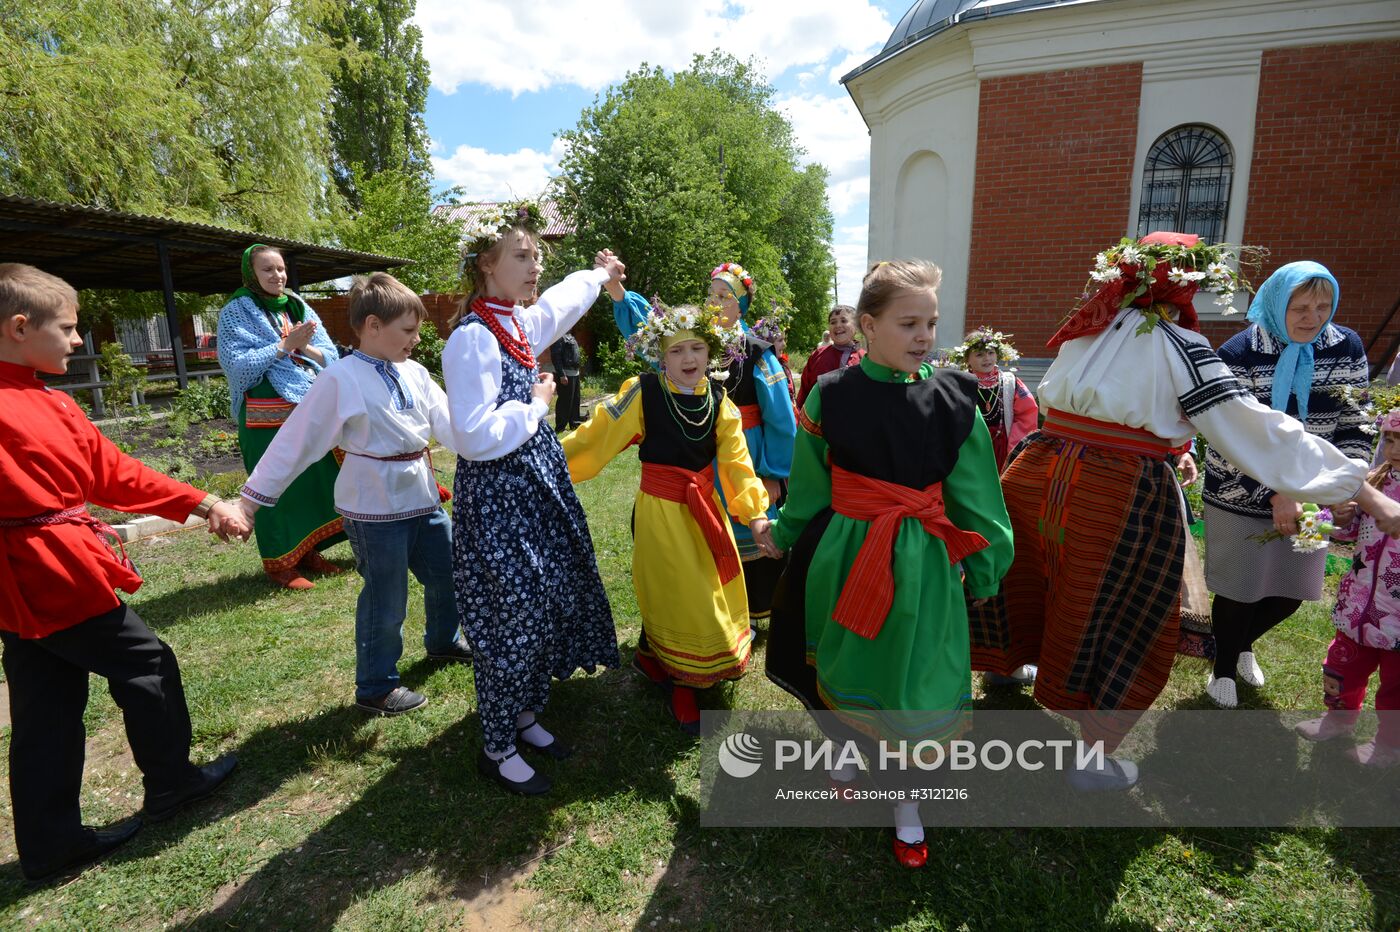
(1159, 274)
(739, 281)
(988, 340)
(1379, 404)
(770, 328)
(663, 325)
(491, 225)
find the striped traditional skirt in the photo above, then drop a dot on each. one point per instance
(1093, 593)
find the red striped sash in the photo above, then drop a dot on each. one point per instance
(78, 514)
(1104, 434)
(695, 491)
(868, 592)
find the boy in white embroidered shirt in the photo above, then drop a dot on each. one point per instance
(382, 409)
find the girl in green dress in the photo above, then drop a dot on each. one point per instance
(894, 518)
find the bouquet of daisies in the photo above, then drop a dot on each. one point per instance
(1314, 527)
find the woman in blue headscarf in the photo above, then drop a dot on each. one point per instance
(1295, 360)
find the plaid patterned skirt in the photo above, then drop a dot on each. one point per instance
(1093, 594)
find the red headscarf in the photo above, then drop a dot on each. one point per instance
(1093, 316)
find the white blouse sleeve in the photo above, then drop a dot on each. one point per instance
(561, 307)
(313, 429)
(439, 416)
(1265, 444)
(482, 427)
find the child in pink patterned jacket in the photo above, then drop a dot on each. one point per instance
(1367, 617)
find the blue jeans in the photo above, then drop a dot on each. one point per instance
(385, 552)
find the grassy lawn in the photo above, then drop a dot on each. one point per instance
(338, 820)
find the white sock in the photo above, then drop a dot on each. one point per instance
(512, 767)
(532, 731)
(908, 827)
(845, 773)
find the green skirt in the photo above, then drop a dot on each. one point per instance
(304, 518)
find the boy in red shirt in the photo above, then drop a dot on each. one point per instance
(59, 617)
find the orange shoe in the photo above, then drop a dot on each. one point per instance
(290, 579)
(911, 856)
(316, 563)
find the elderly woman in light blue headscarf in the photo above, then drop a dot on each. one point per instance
(1296, 361)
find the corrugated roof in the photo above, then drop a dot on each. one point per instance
(94, 247)
(927, 18)
(555, 224)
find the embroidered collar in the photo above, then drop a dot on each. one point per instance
(1261, 341)
(499, 305)
(398, 391)
(989, 379)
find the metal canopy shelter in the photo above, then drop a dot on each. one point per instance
(91, 247)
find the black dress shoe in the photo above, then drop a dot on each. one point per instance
(537, 785)
(555, 749)
(102, 843)
(456, 652)
(161, 806)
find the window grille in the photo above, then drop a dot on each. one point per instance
(1186, 184)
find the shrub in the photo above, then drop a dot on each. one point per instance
(202, 400)
(429, 349)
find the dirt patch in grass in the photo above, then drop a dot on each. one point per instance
(502, 900)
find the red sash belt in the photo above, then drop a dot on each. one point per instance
(78, 514)
(1110, 436)
(695, 491)
(752, 415)
(868, 592)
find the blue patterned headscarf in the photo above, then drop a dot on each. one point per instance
(1269, 310)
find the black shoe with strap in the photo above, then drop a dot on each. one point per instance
(537, 785)
(555, 749)
(99, 843)
(396, 701)
(207, 779)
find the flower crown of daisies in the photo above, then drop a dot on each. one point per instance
(489, 226)
(1379, 404)
(1210, 267)
(724, 344)
(988, 340)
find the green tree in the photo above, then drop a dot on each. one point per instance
(207, 110)
(396, 219)
(379, 92)
(644, 176)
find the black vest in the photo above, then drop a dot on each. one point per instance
(907, 433)
(740, 384)
(664, 443)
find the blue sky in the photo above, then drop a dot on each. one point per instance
(508, 75)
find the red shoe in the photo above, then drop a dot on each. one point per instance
(290, 579)
(911, 856)
(316, 563)
(682, 706)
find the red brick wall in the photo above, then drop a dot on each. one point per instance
(1055, 165)
(1324, 183)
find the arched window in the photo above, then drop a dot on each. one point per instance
(1186, 183)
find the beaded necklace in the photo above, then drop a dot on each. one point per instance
(516, 345)
(679, 414)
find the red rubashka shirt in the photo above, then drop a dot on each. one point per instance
(52, 458)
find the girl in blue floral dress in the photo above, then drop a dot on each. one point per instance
(523, 565)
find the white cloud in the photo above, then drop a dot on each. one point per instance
(519, 47)
(850, 267)
(488, 176)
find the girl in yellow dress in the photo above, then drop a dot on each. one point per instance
(685, 565)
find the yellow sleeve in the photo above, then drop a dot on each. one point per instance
(615, 423)
(743, 490)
